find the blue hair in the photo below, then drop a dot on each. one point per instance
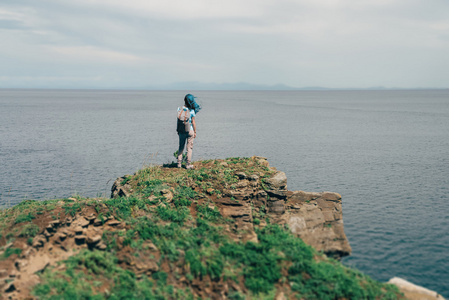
(190, 100)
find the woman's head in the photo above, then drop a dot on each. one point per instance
(190, 102)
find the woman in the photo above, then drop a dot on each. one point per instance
(192, 108)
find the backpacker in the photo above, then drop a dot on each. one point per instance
(183, 121)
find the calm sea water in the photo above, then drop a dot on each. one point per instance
(386, 152)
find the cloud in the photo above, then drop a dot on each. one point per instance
(94, 54)
(301, 43)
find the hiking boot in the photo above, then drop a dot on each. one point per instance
(189, 166)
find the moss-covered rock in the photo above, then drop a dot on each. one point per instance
(217, 231)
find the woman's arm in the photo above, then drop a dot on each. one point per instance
(194, 127)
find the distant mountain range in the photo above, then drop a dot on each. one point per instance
(195, 85)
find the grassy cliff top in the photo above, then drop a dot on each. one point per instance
(164, 236)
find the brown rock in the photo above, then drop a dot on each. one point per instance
(242, 183)
(10, 287)
(80, 239)
(39, 241)
(276, 207)
(94, 239)
(277, 182)
(101, 246)
(167, 194)
(241, 175)
(331, 196)
(310, 224)
(83, 222)
(90, 218)
(61, 236)
(301, 196)
(261, 160)
(98, 222)
(119, 190)
(254, 177)
(235, 211)
(147, 266)
(38, 264)
(414, 292)
(55, 223)
(328, 216)
(210, 191)
(79, 230)
(114, 223)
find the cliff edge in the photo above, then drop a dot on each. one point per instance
(226, 230)
(251, 192)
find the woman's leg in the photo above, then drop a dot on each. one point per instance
(190, 139)
(182, 142)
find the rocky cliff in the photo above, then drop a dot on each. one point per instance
(317, 218)
(226, 230)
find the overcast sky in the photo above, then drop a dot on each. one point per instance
(145, 43)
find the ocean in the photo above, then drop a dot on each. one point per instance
(385, 152)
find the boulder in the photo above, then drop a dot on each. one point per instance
(241, 175)
(167, 194)
(83, 222)
(414, 292)
(114, 223)
(92, 240)
(277, 182)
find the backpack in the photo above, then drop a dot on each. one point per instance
(183, 125)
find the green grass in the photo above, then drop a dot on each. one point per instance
(72, 208)
(209, 214)
(29, 230)
(195, 247)
(178, 215)
(101, 268)
(24, 218)
(10, 251)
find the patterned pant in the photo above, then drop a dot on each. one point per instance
(182, 141)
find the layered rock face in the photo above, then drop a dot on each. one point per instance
(314, 217)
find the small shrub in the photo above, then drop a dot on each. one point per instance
(151, 187)
(97, 262)
(161, 277)
(72, 209)
(207, 213)
(205, 261)
(178, 215)
(29, 230)
(24, 218)
(10, 251)
(126, 180)
(183, 196)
